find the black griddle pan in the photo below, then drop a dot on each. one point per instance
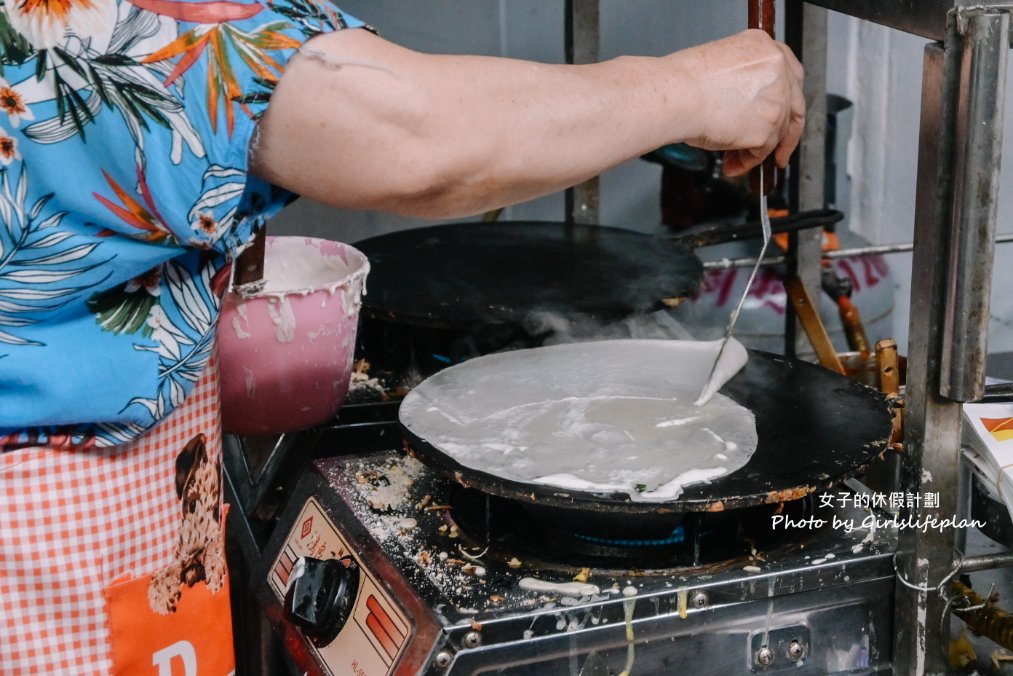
(463, 275)
(815, 429)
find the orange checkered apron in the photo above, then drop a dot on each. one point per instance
(112, 560)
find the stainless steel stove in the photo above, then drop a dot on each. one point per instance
(425, 577)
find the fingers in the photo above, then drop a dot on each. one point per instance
(791, 138)
(785, 129)
(739, 162)
(733, 165)
(795, 120)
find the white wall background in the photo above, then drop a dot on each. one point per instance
(876, 68)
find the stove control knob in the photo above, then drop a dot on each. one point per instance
(321, 596)
(765, 656)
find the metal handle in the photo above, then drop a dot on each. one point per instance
(813, 325)
(249, 265)
(734, 232)
(762, 16)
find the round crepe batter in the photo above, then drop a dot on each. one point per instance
(602, 417)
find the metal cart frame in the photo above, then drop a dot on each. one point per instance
(959, 153)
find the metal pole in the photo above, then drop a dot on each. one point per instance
(975, 198)
(806, 33)
(932, 424)
(971, 564)
(582, 46)
(855, 252)
(959, 149)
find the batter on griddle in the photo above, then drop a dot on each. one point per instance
(609, 416)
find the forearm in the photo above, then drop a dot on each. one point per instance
(365, 124)
(524, 130)
(440, 136)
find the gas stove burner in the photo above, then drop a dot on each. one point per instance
(453, 581)
(678, 535)
(569, 540)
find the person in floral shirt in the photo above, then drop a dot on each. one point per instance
(138, 156)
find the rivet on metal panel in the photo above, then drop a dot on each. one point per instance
(765, 656)
(700, 599)
(472, 639)
(442, 659)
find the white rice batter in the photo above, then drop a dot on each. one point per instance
(608, 416)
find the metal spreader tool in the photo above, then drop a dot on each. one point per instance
(761, 15)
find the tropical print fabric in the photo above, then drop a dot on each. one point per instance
(124, 194)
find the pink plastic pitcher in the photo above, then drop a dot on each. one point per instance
(286, 351)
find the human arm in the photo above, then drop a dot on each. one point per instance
(359, 122)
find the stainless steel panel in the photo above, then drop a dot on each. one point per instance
(850, 635)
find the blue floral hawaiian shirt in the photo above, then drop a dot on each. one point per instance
(124, 194)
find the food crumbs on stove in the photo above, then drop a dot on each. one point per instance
(473, 557)
(425, 558)
(583, 575)
(443, 556)
(514, 562)
(751, 569)
(443, 529)
(496, 599)
(367, 476)
(476, 626)
(408, 524)
(379, 505)
(424, 502)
